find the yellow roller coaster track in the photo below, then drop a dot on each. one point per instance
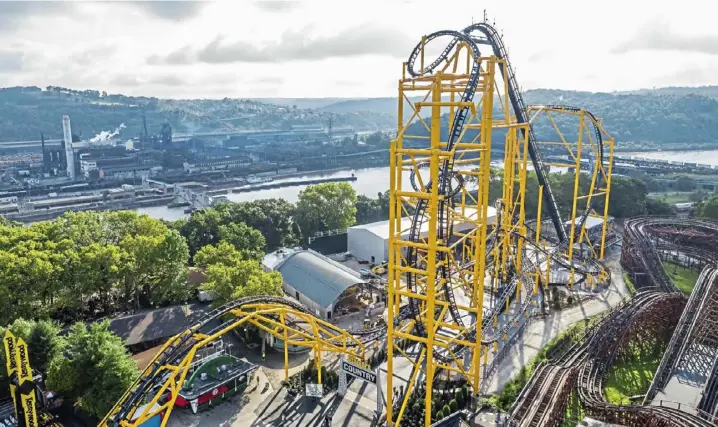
(279, 317)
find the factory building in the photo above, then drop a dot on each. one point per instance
(370, 242)
(326, 287)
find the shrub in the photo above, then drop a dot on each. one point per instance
(460, 399)
(454, 405)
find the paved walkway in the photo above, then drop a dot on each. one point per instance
(541, 331)
(239, 411)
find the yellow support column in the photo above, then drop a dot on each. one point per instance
(433, 212)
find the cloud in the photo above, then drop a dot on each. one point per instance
(268, 80)
(657, 35)
(276, 5)
(180, 56)
(16, 13)
(369, 39)
(10, 61)
(94, 54)
(132, 80)
(171, 10)
(691, 74)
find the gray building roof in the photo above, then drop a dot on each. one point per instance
(157, 324)
(315, 276)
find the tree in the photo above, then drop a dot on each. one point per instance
(658, 207)
(245, 238)
(230, 276)
(202, 229)
(44, 344)
(94, 368)
(326, 206)
(684, 183)
(708, 208)
(273, 218)
(43, 341)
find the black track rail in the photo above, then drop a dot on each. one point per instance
(152, 376)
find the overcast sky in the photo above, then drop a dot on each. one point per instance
(344, 48)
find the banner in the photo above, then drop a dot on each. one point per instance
(11, 363)
(27, 386)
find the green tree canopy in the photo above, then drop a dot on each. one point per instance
(231, 276)
(94, 368)
(708, 208)
(327, 206)
(88, 264)
(42, 340)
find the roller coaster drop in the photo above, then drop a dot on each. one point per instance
(436, 273)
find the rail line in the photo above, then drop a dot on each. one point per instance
(657, 310)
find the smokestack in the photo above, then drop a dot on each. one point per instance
(44, 154)
(69, 155)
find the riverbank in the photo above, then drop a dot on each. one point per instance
(282, 184)
(52, 213)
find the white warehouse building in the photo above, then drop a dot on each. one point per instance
(372, 240)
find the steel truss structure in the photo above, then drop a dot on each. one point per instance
(581, 148)
(157, 388)
(445, 247)
(656, 313)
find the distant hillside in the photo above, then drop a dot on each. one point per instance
(26, 112)
(709, 91)
(314, 103)
(642, 118)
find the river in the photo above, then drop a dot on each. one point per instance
(371, 181)
(706, 157)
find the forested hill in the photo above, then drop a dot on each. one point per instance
(26, 112)
(642, 119)
(651, 118)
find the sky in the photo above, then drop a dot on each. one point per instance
(345, 48)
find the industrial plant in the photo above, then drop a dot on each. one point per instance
(448, 288)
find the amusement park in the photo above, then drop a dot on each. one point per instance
(473, 282)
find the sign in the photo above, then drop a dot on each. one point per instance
(363, 371)
(11, 362)
(314, 390)
(358, 372)
(27, 386)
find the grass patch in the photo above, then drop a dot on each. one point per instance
(673, 197)
(211, 367)
(631, 287)
(631, 378)
(684, 278)
(511, 390)
(574, 411)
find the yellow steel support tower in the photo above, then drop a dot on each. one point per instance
(581, 141)
(418, 259)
